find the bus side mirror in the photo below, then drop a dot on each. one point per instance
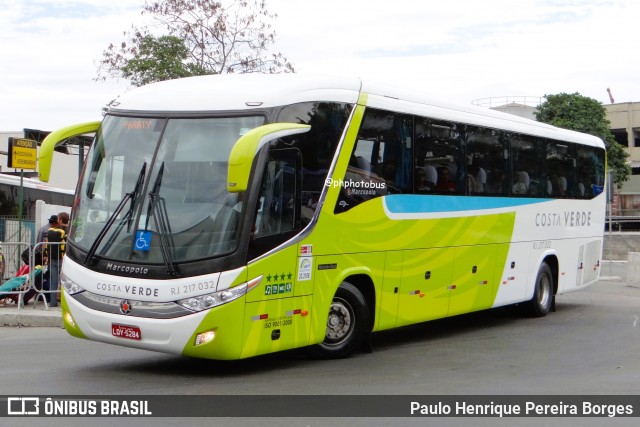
(248, 145)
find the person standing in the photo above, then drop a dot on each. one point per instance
(42, 233)
(63, 220)
(55, 247)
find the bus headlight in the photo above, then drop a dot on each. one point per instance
(205, 302)
(69, 285)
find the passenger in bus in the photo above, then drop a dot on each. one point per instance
(583, 186)
(522, 183)
(481, 179)
(476, 179)
(471, 183)
(421, 183)
(431, 175)
(561, 186)
(581, 189)
(498, 182)
(534, 187)
(445, 184)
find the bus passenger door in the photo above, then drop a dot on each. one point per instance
(472, 287)
(424, 289)
(276, 313)
(277, 212)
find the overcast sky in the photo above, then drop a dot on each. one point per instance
(461, 50)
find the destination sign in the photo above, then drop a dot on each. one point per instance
(23, 153)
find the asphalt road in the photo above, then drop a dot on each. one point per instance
(590, 345)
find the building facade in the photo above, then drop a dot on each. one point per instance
(625, 126)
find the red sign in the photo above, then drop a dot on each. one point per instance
(126, 331)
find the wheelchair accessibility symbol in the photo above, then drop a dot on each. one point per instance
(143, 240)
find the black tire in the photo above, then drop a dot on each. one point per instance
(542, 300)
(347, 324)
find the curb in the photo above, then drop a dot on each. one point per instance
(37, 318)
(610, 279)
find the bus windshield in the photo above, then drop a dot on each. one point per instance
(154, 190)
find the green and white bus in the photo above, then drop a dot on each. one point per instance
(230, 216)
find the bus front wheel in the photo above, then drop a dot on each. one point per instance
(542, 300)
(347, 324)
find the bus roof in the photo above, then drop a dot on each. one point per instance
(233, 92)
(236, 92)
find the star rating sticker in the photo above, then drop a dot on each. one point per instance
(268, 278)
(289, 276)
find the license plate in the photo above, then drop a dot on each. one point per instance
(126, 331)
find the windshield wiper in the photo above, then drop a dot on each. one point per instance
(112, 218)
(134, 196)
(158, 209)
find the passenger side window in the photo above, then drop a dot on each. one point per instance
(528, 167)
(317, 147)
(598, 166)
(487, 157)
(586, 176)
(381, 160)
(439, 165)
(560, 167)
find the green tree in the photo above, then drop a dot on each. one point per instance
(206, 37)
(584, 114)
(161, 58)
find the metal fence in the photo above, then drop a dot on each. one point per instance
(24, 285)
(14, 230)
(623, 222)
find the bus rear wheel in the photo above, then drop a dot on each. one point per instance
(347, 324)
(542, 300)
